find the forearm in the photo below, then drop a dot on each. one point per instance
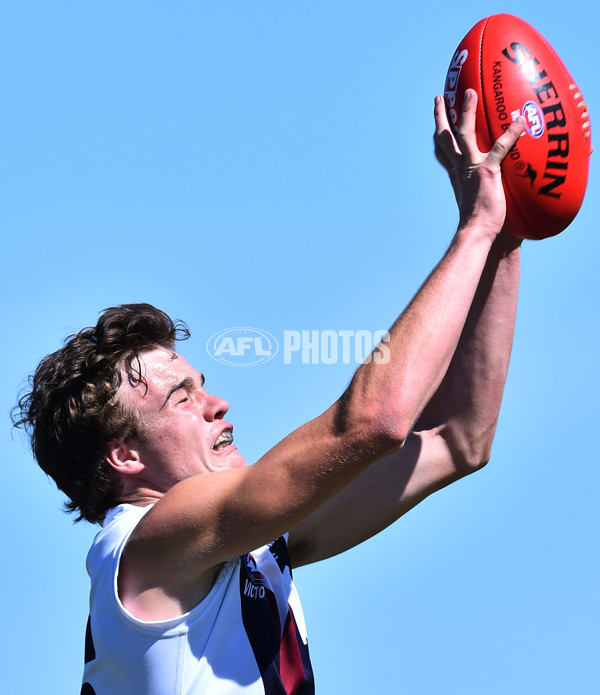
(424, 338)
(453, 434)
(422, 341)
(467, 403)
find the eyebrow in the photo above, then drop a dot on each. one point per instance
(186, 383)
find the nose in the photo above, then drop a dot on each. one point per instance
(215, 407)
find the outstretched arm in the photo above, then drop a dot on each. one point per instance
(453, 435)
(465, 408)
(451, 438)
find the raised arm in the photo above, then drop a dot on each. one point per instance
(453, 435)
(208, 519)
(451, 438)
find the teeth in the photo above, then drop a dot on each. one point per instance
(223, 440)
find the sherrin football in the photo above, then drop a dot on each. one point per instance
(516, 72)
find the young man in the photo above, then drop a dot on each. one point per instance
(190, 592)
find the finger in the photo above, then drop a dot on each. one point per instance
(440, 115)
(443, 138)
(466, 136)
(443, 159)
(506, 142)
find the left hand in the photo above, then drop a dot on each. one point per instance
(475, 176)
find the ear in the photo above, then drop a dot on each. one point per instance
(122, 457)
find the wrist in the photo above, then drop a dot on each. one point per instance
(473, 231)
(506, 244)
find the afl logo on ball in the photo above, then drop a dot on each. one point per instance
(534, 119)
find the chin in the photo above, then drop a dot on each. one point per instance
(239, 461)
(230, 458)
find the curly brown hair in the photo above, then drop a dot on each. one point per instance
(71, 408)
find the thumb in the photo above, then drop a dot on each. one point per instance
(506, 142)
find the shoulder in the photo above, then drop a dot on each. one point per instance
(118, 525)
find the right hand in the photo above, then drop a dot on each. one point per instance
(475, 176)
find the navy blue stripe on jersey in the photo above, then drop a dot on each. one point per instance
(280, 552)
(281, 655)
(90, 650)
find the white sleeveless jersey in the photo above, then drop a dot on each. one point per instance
(246, 636)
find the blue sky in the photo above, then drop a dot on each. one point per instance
(270, 165)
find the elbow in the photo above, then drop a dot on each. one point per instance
(395, 428)
(471, 461)
(469, 453)
(382, 429)
(378, 424)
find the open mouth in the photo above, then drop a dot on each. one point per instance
(223, 440)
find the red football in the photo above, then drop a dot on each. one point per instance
(516, 72)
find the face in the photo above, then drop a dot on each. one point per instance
(185, 431)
